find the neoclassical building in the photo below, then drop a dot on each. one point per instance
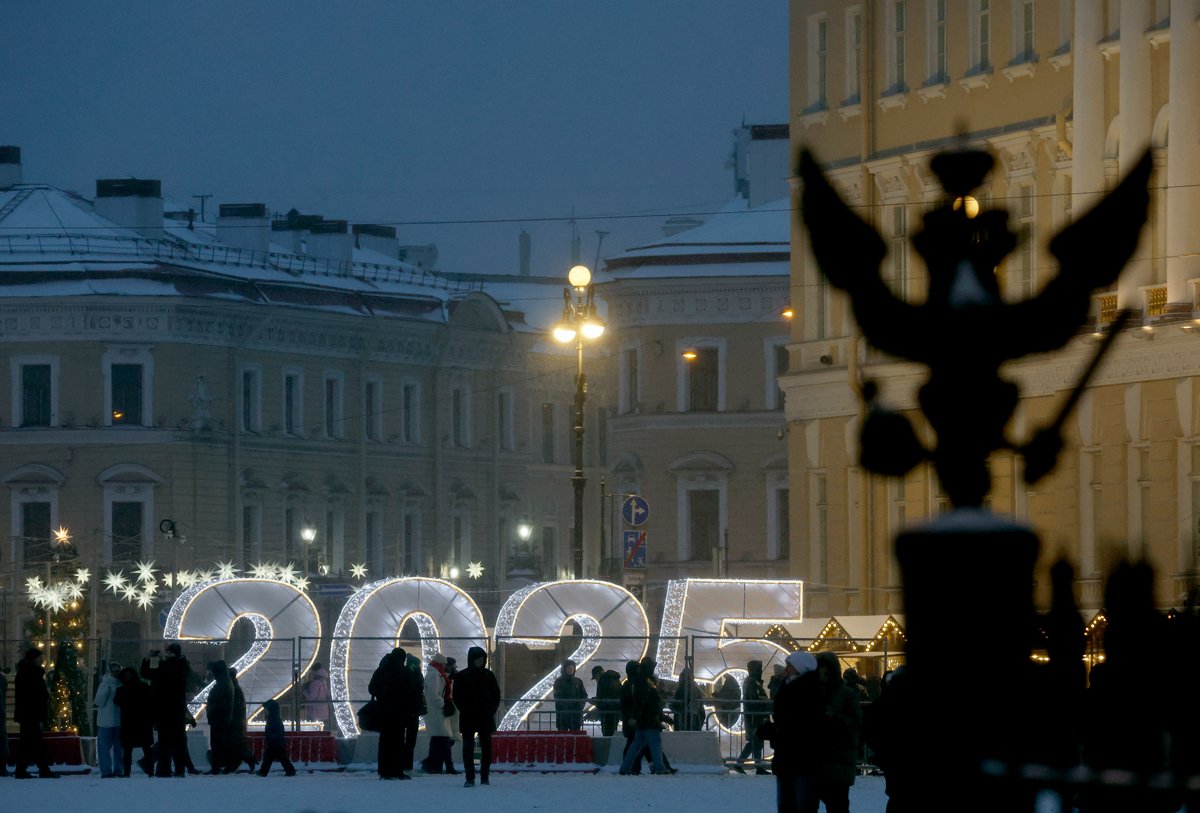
(1067, 96)
(191, 393)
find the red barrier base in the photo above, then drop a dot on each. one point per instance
(64, 752)
(303, 746)
(543, 751)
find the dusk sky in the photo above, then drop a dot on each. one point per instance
(404, 112)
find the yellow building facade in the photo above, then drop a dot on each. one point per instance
(1066, 96)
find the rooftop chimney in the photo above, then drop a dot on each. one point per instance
(330, 240)
(10, 166)
(377, 238)
(133, 203)
(244, 225)
(525, 251)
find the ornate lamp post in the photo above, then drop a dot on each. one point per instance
(309, 534)
(579, 324)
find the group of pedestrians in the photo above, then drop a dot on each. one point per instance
(455, 704)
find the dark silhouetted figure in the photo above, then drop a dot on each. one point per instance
(30, 708)
(168, 675)
(569, 696)
(137, 720)
(392, 687)
(477, 695)
(275, 741)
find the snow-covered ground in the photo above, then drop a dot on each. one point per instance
(349, 792)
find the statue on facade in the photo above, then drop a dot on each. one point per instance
(201, 402)
(964, 331)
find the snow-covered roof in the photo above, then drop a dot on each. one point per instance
(736, 241)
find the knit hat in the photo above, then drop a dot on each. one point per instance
(802, 662)
(438, 657)
(597, 670)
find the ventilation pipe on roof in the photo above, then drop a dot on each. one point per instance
(244, 225)
(133, 203)
(330, 240)
(381, 239)
(10, 167)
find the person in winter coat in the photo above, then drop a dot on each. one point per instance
(219, 710)
(756, 710)
(838, 733)
(392, 687)
(884, 733)
(239, 745)
(30, 707)
(727, 701)
(648, 720)
(797, 713)
(413, 723)
(477, 695)
(316, 694)
(776, 680)
(108, 724)
(275, 741)
(168, 675)
(132, 697)
(608, 698)
(440, 705)
(569, 697)
(688, 703)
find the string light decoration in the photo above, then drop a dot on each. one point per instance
(374, 617)
(728, 619)
(278, 610)
(141, 586)
(614, 626)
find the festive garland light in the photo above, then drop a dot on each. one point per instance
(374, 617)
(613, 621)
(55, 595)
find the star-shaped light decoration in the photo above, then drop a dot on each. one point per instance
(475, 570)
(129, 592)
(75, 591)
(83, 575)
(145, 601)
(167, 579)
(226, 570)
(288, 573)
(358, 571)
(145, 571)
(262, 570)
(34, 583)
(185, 578)
(302, 584)
(114, 581)
(62, 536)
(54, 599)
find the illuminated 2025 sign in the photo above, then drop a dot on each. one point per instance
(725, 618)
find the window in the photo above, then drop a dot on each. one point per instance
(371, 547)
(899, 251)
(411, 417)
(126, 531)
(373, 409)
(703, 380)
(36, 530)
(1022, 276)
(938, 70)
(35, 395)
(630, 393)
(334, 405)
(548, 433)
(252, 533)
(778, 519)
(251, 400)
(293, 402)
(896, 66)
(126, 403)
(334, 548)
(460, 418)
(981, 36)
(409, 554)
(818, 62)
(703, 523)
(1024, 46)
(504, 418)
(460, 540)
(853, 54)
(291, 536)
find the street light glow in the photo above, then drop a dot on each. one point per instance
(690, 354)
(564, 333)
(308, 533)
(579, 276)
(592, 328)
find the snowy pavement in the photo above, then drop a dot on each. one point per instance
(346, 792)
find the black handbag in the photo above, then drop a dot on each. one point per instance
(369, 716)
(448, 708)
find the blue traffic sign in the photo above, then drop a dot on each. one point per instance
(635, 510)
(634, 544)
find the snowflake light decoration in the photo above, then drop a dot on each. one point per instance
(475, 570)
(114, 581)
(358, 571)
(226, 570)
(145, 571)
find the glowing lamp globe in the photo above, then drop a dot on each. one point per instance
(564, 333)
(579, 276)
(592, 328)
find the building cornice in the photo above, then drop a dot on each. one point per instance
(694, 421)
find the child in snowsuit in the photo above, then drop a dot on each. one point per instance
(275, 742)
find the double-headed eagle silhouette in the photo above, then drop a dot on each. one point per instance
(964, 331)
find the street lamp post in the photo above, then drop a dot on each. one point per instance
(579, 323)
(309, 534)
